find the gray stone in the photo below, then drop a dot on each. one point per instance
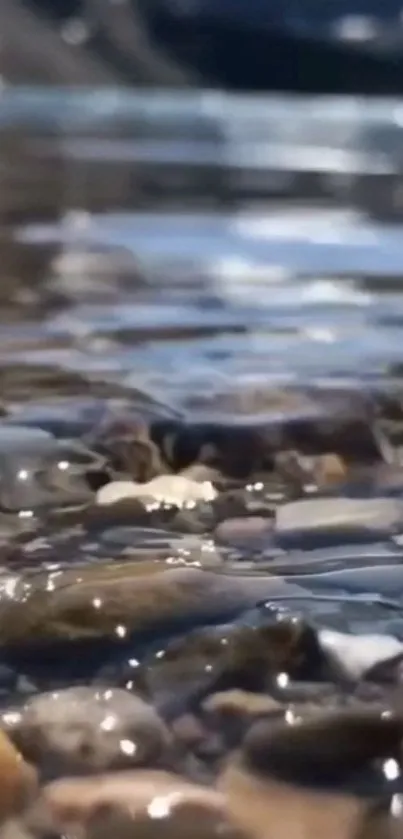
(329, 519)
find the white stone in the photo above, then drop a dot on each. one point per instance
(174, 490)
(355, 655)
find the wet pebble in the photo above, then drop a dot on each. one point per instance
(141, 803)
(86, 729)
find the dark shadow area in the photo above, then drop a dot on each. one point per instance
(152, 44)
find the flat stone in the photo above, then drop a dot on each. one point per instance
(329, 519)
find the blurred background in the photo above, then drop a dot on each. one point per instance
(243, 158)
(108, 103)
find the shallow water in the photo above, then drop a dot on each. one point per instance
(191, 314)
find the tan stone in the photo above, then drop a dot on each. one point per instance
(17, 778)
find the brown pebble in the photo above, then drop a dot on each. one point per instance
(269, 809)
(159, 805)
(329, 469)
(17, 778)
(242, 703)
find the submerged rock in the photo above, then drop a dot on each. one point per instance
(211, 660)
(115, 602)
(240, 443)
(37, 471)
(88, 730)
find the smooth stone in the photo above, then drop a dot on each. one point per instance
(268, 809)
(356, 655)
(244, 532)
(335, 750)
(18, 780)
(153, 800)
(325, 519)
(173, 490)
(88, 729)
